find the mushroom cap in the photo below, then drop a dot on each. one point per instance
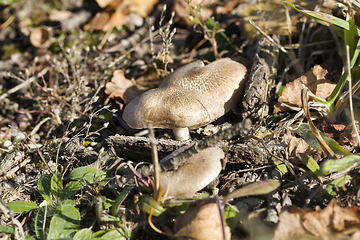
(223, 80)
(195, 174)
(172, 107)
(192, 96)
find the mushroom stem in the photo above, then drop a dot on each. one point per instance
(181, 134)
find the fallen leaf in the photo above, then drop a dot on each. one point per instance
(297, 145)
(117, 12)
(201, 222)
(332, 222)
(314, 80)
(121, 89)
(348, 138)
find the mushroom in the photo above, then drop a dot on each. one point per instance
(195, 174)
(192, 96)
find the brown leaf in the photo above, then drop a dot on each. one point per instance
(121, 89)
(314, 80)
(348, 139)
(118, 11)
(201, 222)
(332, 222)
(298, 145)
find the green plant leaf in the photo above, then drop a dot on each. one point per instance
(89, 174)
(335, 165)
(56, 185)
(146, 202)
(305, 132)
(256, 188)
(337, 182)
(41, 225)
(279, 165)
(10, 230)
(71, 188)
(311, 164)
(120, 198)
(22, 206)
(113, 234)
(65, 223)
(338, 88)
(324, 18)
(83, 234)
(230, 216)
(44, 186)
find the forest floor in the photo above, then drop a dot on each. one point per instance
(72, 168)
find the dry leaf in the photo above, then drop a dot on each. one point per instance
(314, 80)
(332, 222)
(183, 12)
(298, 145)
(121, 89)
(118, 11)
(201, 222)
(348, 138)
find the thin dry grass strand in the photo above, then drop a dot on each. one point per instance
(349, 80)
(324, 146)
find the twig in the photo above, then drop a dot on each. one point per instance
(23, 84)
(241, 128)
(349, 80)
(10, 214)
(304, 100)
(155, 160)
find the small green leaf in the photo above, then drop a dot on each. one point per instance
(110, 218)
(120, 198)
(279, 165)
(41, 225)
(44, 186)
(335, 165)
(256, 188)
(311, 164)
(89, 174)
(22, 206)
(56, 185)
(337, 182)
(146, 202)
(113, 234)
(83, 234)
(230, 216)
(65, 223)
(10, 230)
(71, 188)
(305, 132)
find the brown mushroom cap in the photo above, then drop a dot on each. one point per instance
(195, 174)
(223, 80)
(192, 96)
(172, 107)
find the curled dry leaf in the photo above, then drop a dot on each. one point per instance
(314, 80)
(41, 37)
(201, 222)
(121, 89)
(332, 222)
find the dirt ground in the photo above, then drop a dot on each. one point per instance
(69, 68)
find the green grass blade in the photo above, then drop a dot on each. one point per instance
(327, 19)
